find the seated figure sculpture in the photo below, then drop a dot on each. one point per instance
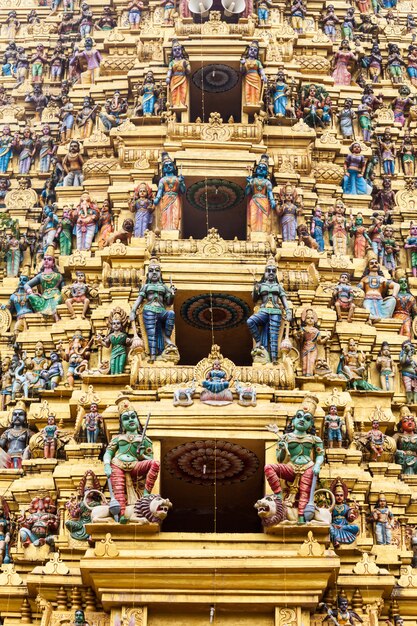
(343, 530)
(406, 440)
(379, 304)
(306, 456)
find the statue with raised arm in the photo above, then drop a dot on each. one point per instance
(129, 460)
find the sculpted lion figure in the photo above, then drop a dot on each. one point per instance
(272, 511)
(150, 509)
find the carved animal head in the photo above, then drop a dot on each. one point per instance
(153, 507)
(271, 509)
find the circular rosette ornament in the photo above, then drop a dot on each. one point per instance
(207, 311)
(215, 194)
(207, 461)
(215, 78)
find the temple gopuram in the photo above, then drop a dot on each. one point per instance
(208, 314)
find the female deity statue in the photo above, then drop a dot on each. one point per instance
(142, 205)
(310, 337)
(253, 76)
(148, 96)
(411, 245)
(401, 104)
(6, 148)
(306, 456)
(406, 306)
(406, 440)
(361, 241)
(216, 386)
(337, 224)
(389, 249)
(311, 105)
(46, 147)
(179, 69)
(117, 339)
(26, 147)
(408, 368)
(377, 301)
(408, 156)
(170, 188)
(317, 227)
(105, 224)
(262, 201)
(341, 62)
(64, 232)
(265, 325)
(158, 318)
(51, 281)
(49, 434)
(87, 216)
(288, 211)
(353, 181)
(14, 248)
(280, 92)
(342, 529)
(365, 112)
(346, 118)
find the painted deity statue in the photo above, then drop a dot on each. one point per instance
(343, 59)
(117, 340)
(337, 225)
(130, 454)
(289, 209)
(343, 530)
(343, 297)
(14, 441)
(216, 386)
(406, 307)
(87, 215)
(158, 317)
(79, 294)
(179, 69)
(170, 189)
(261, 202)
(377, 301)
(265, 324)
(411, 245)
(253, 76)
(306, 456)
(353, 366)
(317, 227)
(79, 509)
(4, 532)
(341, 615)
(19, 305)
(49, 436)
(334, 427)
(355, 163)
(408, 155)
(39, 524)
(310, 337)
(382, 519)
(385, 366)
(148, 93)
(77, 354)
(406, 441)
(361, 241)
(142, 205)
(280, 92)
(92, 423)
(408, 368)
(51, 281)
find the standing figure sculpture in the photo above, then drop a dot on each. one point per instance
(361, 241)
(170, 189)
(87, 215)
(310, 337)
(179, 69)
(262, 201)
(117, 340)
(334, 428)
(354, 166)
(289, 209)
(337, 225)
(406, 441)
(354, 367)
(253, 77)
(265, 324)
(4, 532)
(280, 92)
(6, 148)
(408, 368)
(406, 306)
(385, 366)
(92, 423)
(411, 245)
(147, 96)
(382, 519)
(342, 61)
(306, 456)
(343, 297)
(317, 227)
(341, 615)
(408, 155)
(142, 205)
(14, 441)
(129, 457)
(158, 317)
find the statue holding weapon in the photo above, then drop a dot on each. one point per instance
(128, 461)
(341, 616)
